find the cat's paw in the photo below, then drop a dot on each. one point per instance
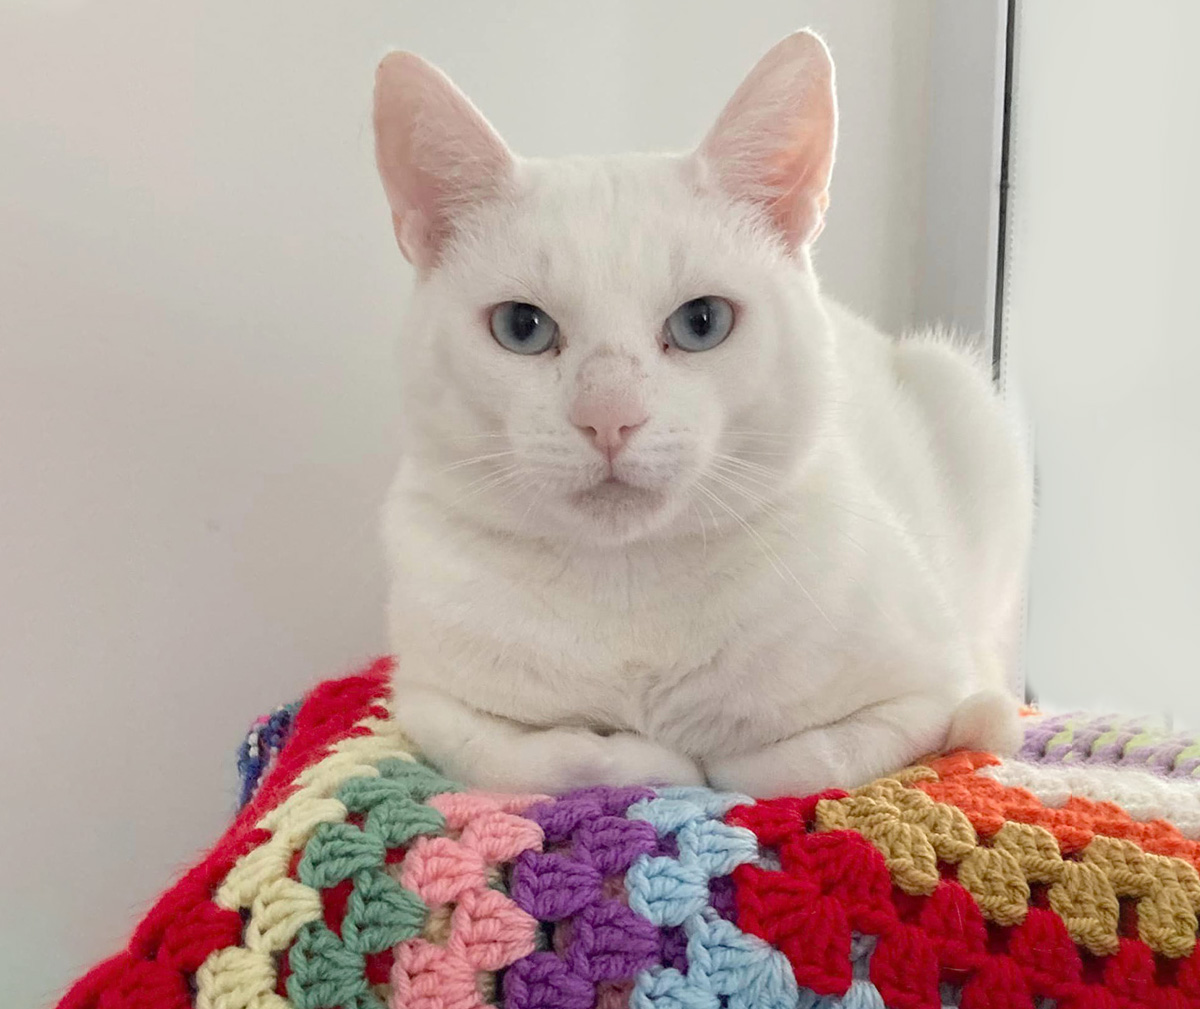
(805, 767)
(623, 758)
(636, 760)
(987, 720)
(845, 755)
(853, 751)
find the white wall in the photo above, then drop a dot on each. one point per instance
(1102, 323)
(198, 296)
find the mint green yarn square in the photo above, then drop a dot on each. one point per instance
(398, 821)
(392, 814)
(324, 973)
(362, 794)
(422, 781)
(380, 913)
(336, 851)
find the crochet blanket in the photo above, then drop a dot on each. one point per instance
(356, 876)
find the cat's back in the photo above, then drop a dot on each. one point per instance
(940, 447)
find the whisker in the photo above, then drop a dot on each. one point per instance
(483, 484)
(516, 492)
(740, 489)
(700, 520)
(476, 459)
(766, 453)
(712, 515)
(769, 552)
(754, 467)
(732, 471)
(536, 496)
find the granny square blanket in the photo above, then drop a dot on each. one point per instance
(357, 877)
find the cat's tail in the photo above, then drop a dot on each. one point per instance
(987, 720)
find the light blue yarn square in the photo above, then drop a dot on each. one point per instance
(718, 848)
(665, 891)
(712, 802)
(666, 988)
(724, 959)
(667, 815)
(862, 948)
(727, 968)
(751, 1000)
(861, 995)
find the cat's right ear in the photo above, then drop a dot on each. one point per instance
(773, 144)
(436, 153)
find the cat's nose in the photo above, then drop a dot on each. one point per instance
(608, 422)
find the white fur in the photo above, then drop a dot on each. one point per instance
(817, 553)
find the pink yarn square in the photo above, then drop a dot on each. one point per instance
(425, 976)
(490, 931)
(439, 870)
(501, 837)
(459, 808)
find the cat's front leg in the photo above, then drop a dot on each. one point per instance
(496, 753)
(874, 741)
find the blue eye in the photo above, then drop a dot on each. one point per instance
(523, 328)
(700, 324)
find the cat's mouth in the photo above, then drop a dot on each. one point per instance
(613, 494)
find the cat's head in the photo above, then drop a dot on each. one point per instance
(612, 349)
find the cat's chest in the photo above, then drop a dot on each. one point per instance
(659, 647)
(599, 666)
(601, 637)
(699, 674)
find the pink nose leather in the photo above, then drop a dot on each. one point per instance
(608, 421)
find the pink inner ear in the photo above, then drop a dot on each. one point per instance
(774, 142)
(801, 176)
(436, 153)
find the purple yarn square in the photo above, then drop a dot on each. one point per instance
(543, 981)
(613, 801)
(550, 886)
(1037, 735)
(668, 846)
(612, 843)
(721, 895)
(609, 942)
(674, 948)
(560, 818)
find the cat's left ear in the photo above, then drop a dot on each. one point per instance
(437, 154)
(773, 144)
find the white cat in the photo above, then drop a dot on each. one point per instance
(665, 514)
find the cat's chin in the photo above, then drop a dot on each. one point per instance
(618, 510)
